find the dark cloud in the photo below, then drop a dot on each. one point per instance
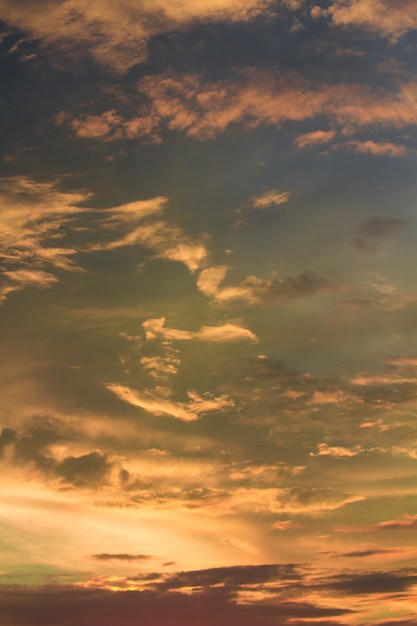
(84, 471)
(231, 577)
(68, 606)
(7, 437)
(105, 556)
(371, 232)
(363, 553)
(33, 447)
(374, 582)
(304, 284)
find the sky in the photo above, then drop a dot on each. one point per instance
(208, 312)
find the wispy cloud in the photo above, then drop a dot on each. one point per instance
(143, 226)
(375, 148)
(314, 137)
(272, 197)
(35, 215)
(407, 522)
(154, 403)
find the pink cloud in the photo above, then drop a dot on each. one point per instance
(383, 148)
(313, 138)
(116, 34)
(202, 110)
(391, 19)
(403, 523)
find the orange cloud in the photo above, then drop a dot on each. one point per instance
(364, 380)
(116, 34)
(145, 228)
(313, 138)
(383, 148)
(153, 403)
(403, 362)
(230, 332)
(336, 451)
(406, 522)
(202, 110)
(33, 214)
(273, 197)
(391, 19)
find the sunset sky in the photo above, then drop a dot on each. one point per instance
(208, 304)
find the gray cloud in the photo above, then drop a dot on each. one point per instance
(105, 556)
(374, 582)
(68, 606)
(86, 470)
(372, 232)
(364, 553)
(231, 577)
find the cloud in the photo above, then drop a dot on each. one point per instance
(144, 227)
(44, 450)
(272, 197)
(374, 148)
(202, 110)
(403, 362)
(408, 522)
(105, 556)
(100, 606)
(365, 380)
(35, 214)
(19, 279)
(336, 451)
(225, 333)
(314, 137)
(254, 291)
(373, 583)
(232, 577)
(373, 231)
(376, 16)
(108, 125)
(87, 470)
(116, 35)
(309, 501)
(365, 553)
(210, 279)
(152, 402)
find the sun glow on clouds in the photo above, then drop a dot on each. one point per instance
(157, 405)
(189, 104)
(117, 34)
(167, 241)
(33, 214)
(208, 418)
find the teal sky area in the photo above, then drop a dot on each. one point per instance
(208, 312)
